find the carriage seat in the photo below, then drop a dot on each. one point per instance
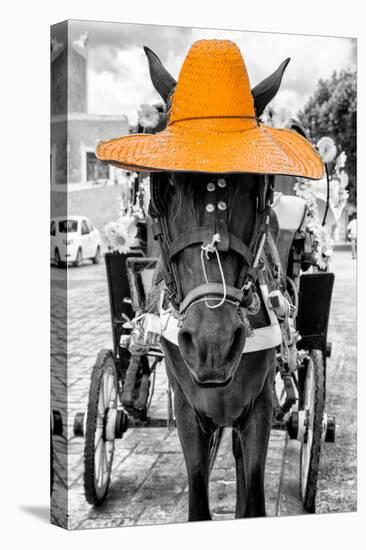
(291, 215)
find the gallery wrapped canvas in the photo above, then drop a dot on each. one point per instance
(203, 293)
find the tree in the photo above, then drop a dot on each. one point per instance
(332, 111)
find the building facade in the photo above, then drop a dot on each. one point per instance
(74, 131)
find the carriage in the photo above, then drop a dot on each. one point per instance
(122, 379)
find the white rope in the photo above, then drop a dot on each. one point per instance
(210, 248)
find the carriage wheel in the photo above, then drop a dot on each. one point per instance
(52, 471)
(99, 433)
(214, 446)
(313, 403)
(56, 428)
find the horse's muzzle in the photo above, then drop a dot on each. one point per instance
(212, 349)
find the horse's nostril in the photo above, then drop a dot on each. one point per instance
(186, 338)
(192, 346)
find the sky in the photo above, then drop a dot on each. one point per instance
(118, 75)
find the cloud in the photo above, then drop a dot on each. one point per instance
(119, 80)
(123, 90)
(106, 39)
(312, 58)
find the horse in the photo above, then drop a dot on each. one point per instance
(215, 385)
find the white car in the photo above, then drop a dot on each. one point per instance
(74, 239)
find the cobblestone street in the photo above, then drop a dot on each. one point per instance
(148, 483)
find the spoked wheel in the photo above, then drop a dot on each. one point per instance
(52, 471)
(56, 428)
(313, 404)
(214, 446)
(100, 428)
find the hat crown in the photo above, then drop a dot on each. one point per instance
(213, 82)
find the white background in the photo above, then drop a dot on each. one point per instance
(24, 313)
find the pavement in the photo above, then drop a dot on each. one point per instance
(148, 481)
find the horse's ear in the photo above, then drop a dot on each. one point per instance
(265, 91)
(162, 80)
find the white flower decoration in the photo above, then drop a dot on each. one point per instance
(322, 241)
(121, 234)
(148, 116)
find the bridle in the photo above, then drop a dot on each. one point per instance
(214, 237)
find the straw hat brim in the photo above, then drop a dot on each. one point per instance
(259, 150)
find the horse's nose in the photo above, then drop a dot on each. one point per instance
(212, 353)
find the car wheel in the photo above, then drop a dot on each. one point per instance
(96, 259)
(57, 258)
(79, 258)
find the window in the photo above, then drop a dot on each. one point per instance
(95, 169)
(53, 228)
(68, 226)
(89, 225)
(84, 228)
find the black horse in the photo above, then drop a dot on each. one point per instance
(214, 384)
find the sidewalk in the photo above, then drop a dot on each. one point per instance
(342, 246)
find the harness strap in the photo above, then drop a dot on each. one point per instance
(204, 235)
(210, 289)
(260, 229)
(217, 222)
(241, 248)
(196, 236)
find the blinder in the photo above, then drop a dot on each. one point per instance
(158, 195)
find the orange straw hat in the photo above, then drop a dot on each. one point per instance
(213, 126)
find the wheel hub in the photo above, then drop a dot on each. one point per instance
(297, 425)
